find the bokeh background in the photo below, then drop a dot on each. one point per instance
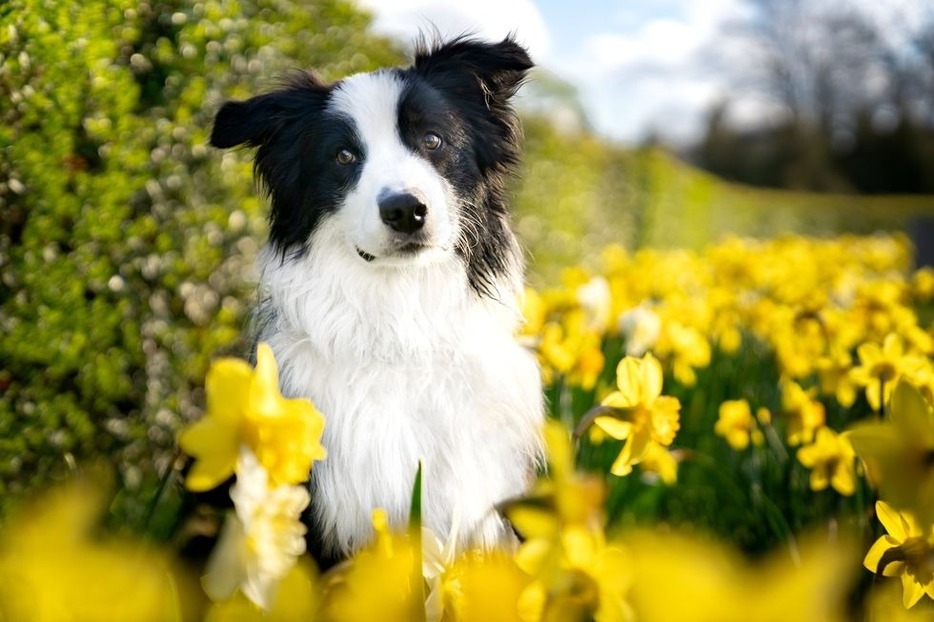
(127, 244)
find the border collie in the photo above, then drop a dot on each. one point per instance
(390, 286)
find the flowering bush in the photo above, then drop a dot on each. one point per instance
(729, 434)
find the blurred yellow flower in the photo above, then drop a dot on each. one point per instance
(805, 415)
(54, 567)
(297, 600)
(898, 451)
(641, 413)
(736, 424)
(835, 378)
(487, 588)
(534, 310)
(580, 577)
(245, 407)
(831, 460)
(687, 350)
(676, 578)
(382, 582)
(884, 604)
(907, 551)
(576, 575)
(565, 497)
(261, 540)
(922, 283)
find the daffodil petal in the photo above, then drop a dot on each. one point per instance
(532, 554)
(533, 522)
(652, 378)
(616, 428)
(226, 569)
(265, 398)
(209, 472)
(892, 521)
(560, 452)
(622, 466)
(874, 440)
(629, 382)
(911, 413)
(844, 480)
(869, 354)
(638, 445)
(227, 386)
(913, 591)
(874, 556)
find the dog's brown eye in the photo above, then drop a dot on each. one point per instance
(346, 156)
(431, 141)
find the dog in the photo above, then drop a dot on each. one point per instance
(390, 286)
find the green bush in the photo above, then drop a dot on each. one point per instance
(126, 243)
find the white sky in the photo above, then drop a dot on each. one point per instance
(635, 62)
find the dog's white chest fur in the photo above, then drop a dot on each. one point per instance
(407, 365)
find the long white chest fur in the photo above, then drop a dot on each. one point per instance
(407, 365)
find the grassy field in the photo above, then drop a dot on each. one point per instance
(578, 194)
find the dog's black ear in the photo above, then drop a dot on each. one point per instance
(467, 67)
(255, 121)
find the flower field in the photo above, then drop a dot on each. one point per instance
(741, 433)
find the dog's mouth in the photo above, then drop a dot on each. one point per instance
(408, 249)
(365, 255)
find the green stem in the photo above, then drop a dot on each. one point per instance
(157, 496)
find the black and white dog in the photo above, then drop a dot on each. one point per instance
(390, 286)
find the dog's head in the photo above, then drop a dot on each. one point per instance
(398, 165)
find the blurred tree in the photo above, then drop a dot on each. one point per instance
(124, 242)
(850, 107)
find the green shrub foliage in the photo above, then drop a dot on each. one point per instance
(126, 243)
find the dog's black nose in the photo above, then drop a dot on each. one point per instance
(403, 212)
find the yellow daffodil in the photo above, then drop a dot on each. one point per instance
(907, 551)
(922, 284)
(381, 582)
(687, 350)
(582, 578)
(831, 460)
(565, 497)
(884, 604)
(575, 573)
(880, 367)
(297, 600)
(56, 567)
(805, 415)
(484, 587)
(736, 424)
(835, 378)
(690, 580)
(261, 540)
(641, 413)
(245, 407)
(897, 451)
(534, 311)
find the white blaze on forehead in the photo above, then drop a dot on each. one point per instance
(371, 102)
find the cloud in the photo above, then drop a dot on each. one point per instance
(638, 76)
(489, 19)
